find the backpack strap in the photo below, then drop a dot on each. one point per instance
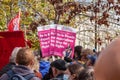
(10, 73)
(29, 76)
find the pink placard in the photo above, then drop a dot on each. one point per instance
(65, 41)
(58, 40)
(44, 39)
(53, 31)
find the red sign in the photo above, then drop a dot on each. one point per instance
(8, 41)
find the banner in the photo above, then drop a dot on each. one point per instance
(8, 41)
(14, 24)
(58, 40)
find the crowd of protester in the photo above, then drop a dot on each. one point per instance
(85, 65)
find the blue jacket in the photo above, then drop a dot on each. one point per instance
(44, 67)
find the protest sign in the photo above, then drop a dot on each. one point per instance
(53, 34)
(57, 40)
(65, 41)
(44, 39)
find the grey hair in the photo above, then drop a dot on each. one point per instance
(14, 54)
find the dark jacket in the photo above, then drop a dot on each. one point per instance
(6, 68)
(61, 77)
(21, 70)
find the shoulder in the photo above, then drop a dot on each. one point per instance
(6, 68)
(32, 76)
(4, 77)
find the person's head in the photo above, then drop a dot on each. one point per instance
(74, 69)
(13, 54)
(25, 57)
(85, 53)
(91, 60)
(86, 74)
(107, 66)
(58, 67)
(77, 52)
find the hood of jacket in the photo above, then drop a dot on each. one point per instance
(22, 70)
